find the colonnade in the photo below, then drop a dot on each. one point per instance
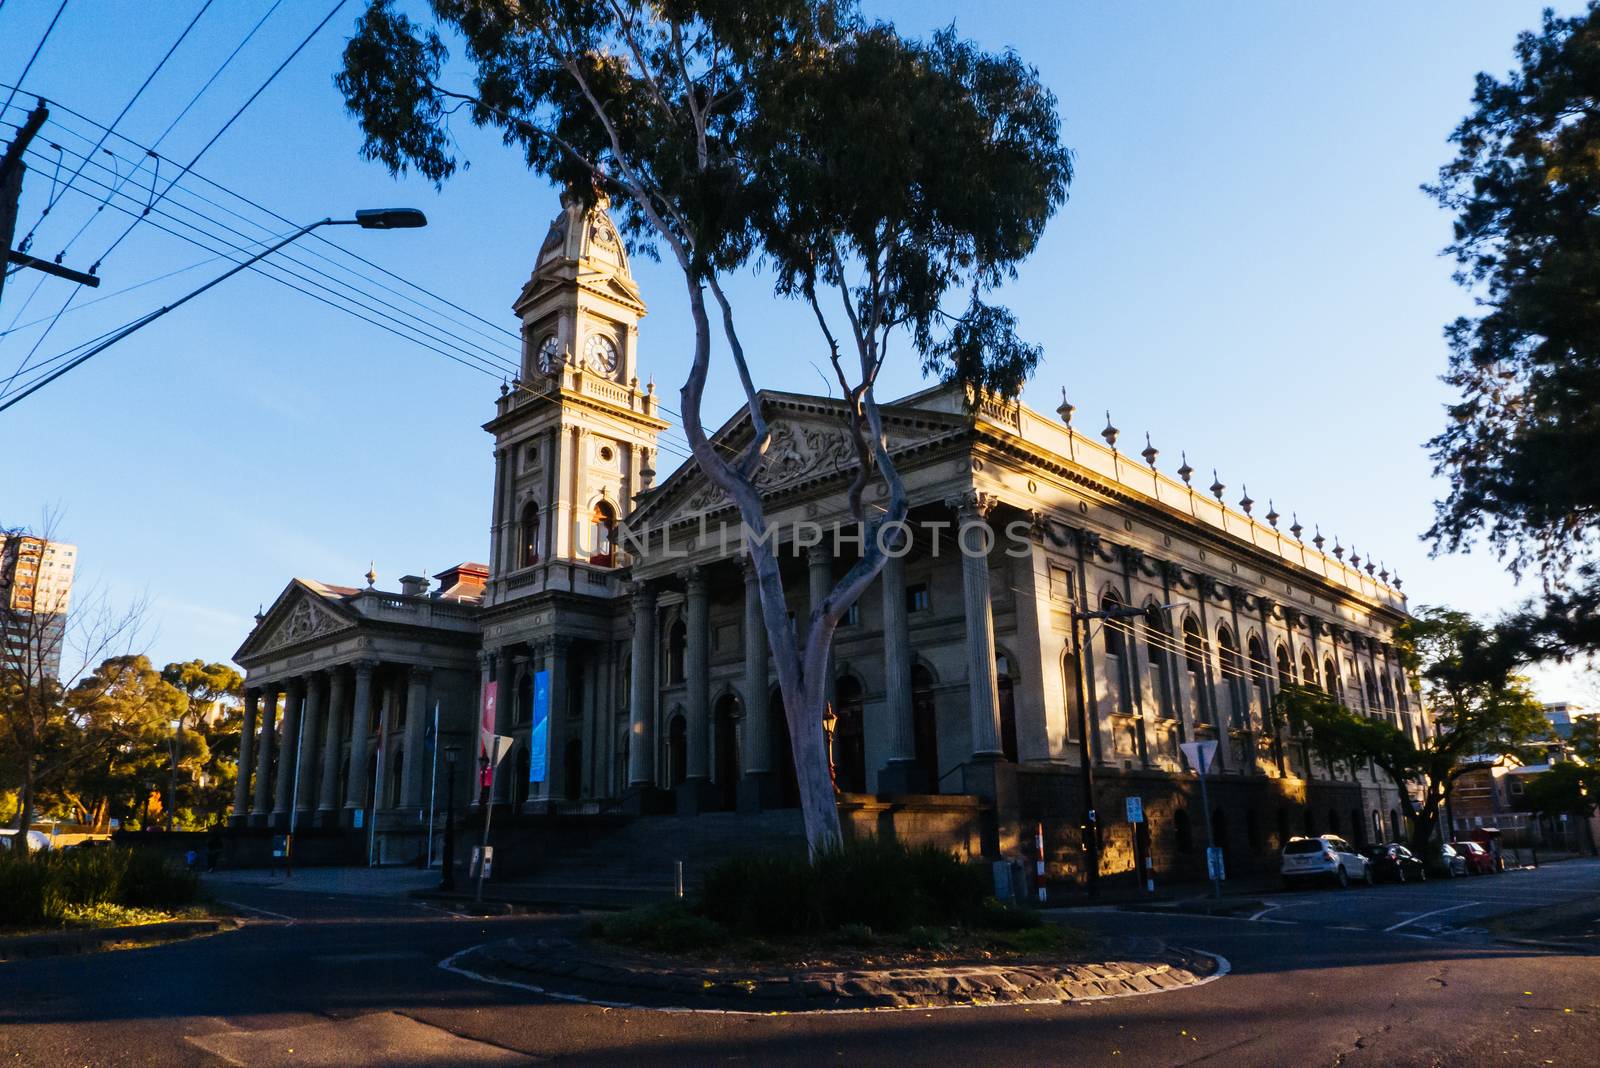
(324, 727)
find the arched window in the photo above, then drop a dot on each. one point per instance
(1308, 669)
(1183, 832)
(528, 535)
(1156, 645)
(396, 773)
(1194, 659)
(1372, 690)
(1388, 691)
(677, 750)
(677, 644)
(849, 736)
(1116, 637)
(1285, 665)
(1330, 677)
(1258, 673)
(1116, 645)
(603, 535)
(1232, 675)
(1358, 828)
(1005, 687)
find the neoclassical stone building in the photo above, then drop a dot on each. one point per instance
(964, 702)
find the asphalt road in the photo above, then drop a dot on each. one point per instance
(323, 979)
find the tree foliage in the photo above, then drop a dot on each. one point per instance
(1566, 789)
(882, 173)
(1480, 710)
(1525, 191)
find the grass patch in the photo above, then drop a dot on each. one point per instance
(669, 928)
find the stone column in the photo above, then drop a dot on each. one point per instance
(757, 789)
(288, 752)
(901, 775)
(332, 742)
(591, 736)
(414, 772)
(556, 658)
(697, 671)
(316, 707)
(983, 697)
(642, 692)
(261, 808)
(505, 685)
(241, 785)
(355, 798)
(819, 579)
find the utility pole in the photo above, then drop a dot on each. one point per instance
(11, 171)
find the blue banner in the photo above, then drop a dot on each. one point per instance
(539, 736)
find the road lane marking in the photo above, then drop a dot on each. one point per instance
(252, 908)
(1425, 915)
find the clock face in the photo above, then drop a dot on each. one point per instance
(549, 355)
(600, 352)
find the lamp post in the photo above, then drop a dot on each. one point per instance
(1091, 818)
(367, 219)
(172, 770)
(451, 752)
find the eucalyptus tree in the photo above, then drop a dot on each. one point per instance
(882, 173)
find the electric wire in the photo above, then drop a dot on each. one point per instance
(36, 50)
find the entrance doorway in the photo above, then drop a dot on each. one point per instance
(849, 736)
(726, 720)
(925, 725)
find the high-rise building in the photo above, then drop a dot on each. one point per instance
(35, 596)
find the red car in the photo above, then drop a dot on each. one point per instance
(1479, 860)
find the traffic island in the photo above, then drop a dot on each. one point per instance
(100, 939)
(584, 969)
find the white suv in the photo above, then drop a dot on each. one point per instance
(1326, 856)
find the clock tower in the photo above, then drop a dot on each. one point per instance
(575, 433)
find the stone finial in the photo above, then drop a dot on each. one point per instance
(372, 574)
(260, 614)
(1272, 514)
(1338, 550)
(504, 387)
(1150, 452)
(1355, 558)
(1372, 568)
(1383, 572)
(1319, 541)
(1297, 529)
(1217, 485)
(1110, 432)
(1065, 408)
(1185, 472)
(1397, 582)
(647, 472)
(1245, 502)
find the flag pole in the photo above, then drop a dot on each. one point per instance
(433, 782)
(377, 785)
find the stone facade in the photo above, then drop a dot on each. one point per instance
(968, 694)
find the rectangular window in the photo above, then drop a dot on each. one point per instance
(1060, 583)
(852, 616)
(917, 597)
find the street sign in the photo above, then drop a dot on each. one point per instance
(483, 855)
(360, 817)
(1214, 869)
(1199, 754)
(280, 845)
(1135, 810)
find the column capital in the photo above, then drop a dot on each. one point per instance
(644, 597)
(695, 581)
(557, 643)
(974, 504)
(818, 555)
(421, 673)
(364, 668)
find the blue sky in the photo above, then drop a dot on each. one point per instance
(1246, 268)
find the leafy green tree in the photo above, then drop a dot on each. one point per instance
(1567, 789)
(883, 172)
(1479, 709)
(1525, 191)
(1585, 740)
(123, 710)
(208, 735)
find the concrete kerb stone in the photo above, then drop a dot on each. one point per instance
(563, 964)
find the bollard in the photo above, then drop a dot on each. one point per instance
(677, 879)
(1038, 864)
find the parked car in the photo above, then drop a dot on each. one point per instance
(1478, 860)
(38, 841)
(1326, 856)
(1451, 862)
(1394, 862)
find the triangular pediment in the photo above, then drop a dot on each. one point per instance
(810, 446)
(301, 614)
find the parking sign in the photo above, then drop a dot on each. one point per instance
(1135, 810)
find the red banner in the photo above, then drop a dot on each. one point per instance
(486, 723)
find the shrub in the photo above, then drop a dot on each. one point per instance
(773, 895)
(670, 928)
(999, 916)
(91, 876)
(879, 883)
(154, 881)
(30, 892)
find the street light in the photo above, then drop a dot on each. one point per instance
(1091, 819)
(367, 219)
(451, 752)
